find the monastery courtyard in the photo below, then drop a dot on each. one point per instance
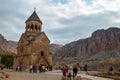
(49, 75)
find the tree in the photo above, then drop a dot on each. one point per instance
(7, 60)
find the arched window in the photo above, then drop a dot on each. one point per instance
(28, 28)
(42, 53)
(32, 27)
(36, 27)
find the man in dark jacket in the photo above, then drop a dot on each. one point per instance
(75, 71)
(85, 67)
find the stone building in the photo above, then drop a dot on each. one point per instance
(33, 46)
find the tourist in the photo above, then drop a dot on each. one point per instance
(85, 67)
(64, 71)
(17, 68)
(36, 68)
(75, 71)
(69, 76)
(47, 68)
(20, 68)
(43, 68)
(110, 69)
(31, 68)
(39, 68)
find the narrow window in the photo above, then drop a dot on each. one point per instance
(42, 53)
(32, 27)
(36, 27)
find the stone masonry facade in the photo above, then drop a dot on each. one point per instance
(33, 46)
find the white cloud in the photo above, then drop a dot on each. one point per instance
(63, 22)
(80, 7)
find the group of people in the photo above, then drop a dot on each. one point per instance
(68, 74)
(65, 71)
(19, 68)
(41, 68)
(35, 68)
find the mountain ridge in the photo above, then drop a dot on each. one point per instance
(6, 46)
(100, 41)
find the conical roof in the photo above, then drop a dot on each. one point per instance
(34, 17)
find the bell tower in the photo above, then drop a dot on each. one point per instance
(33, 24)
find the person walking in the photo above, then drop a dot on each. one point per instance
(43, 68)
(85, 67)
(40, 70)
(75, 71)
(69, 76)
(31, 68)
(64, 71)
(36, 68)
(20, 68)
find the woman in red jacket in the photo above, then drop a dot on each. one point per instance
(64, 71)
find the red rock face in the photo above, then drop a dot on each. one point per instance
(6, 46)
(100, 41)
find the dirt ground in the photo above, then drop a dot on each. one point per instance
(49, 75)
(33, 76)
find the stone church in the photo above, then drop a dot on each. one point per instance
(33, 46)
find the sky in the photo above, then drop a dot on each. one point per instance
(64, 21)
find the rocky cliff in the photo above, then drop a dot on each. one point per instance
(101, 44)
(7, 46)
(55, 47)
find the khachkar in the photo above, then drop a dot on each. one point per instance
(33, 46)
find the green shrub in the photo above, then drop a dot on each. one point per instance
(7, 60)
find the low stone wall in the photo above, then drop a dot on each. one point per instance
(111, 74)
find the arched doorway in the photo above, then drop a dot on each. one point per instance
(42, 53)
